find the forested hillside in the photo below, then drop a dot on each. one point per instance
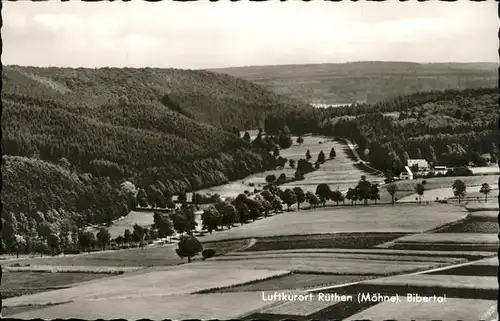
(449, 127)
(369, 81)
(71, 137)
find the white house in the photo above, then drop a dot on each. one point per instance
(407, 174)
(440, 170)
(422, 164)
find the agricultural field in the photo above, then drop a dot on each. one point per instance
(485, 170)
(331, 263)
(136, 257)
(142, 218)
(437, 187)
(157, 282)
(23, 283)
(157, 307)
(398, 218)
(451, 310)
(297, 281)
(453, 238)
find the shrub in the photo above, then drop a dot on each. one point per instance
(208, 253)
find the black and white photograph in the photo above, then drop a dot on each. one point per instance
(250, 160)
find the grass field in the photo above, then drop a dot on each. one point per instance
(296, 281)
(119, 226)
(437, 187)
(485, 170)
(339, 172)
(455, 238)
(484, 215)
(323, 241)
(326, 265)
(451, 310)
(23, 283)
(175, 307)
(166, 281)
(387, 218)
(148, 256)
(472, 224)
(438, 281)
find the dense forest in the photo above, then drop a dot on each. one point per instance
(73, 137)
(366, 81)
(451, 127)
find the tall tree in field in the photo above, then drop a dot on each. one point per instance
(459, 189)
(308, 155)
(332, 153)
(374, 193)
(229, 215)
(420, 189)
(188, 246)
(301, 196)
(103, 238)
(138, 234)
(312, 199)
(363, 189)
(142, 198)
(291, 162)
(211, 219)
(323, 191)
(53, 243)
(485, 189)
(300, 140)
(285, 138)
(337, 197)
(351, 195)
(289, 198)
(127, 236)
(321, 157)
(392, 190)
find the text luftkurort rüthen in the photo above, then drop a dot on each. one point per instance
(360, 297)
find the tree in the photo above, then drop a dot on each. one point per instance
(351, 195)
(321, 157)
(138, 234)
(308, 155)
(291, 162)
(243, 212)
(285, 138)
(363, 189)
(182, 197)
(229, 215)
(420, 189)
(39, 246)
(276, 151)
(301, 196)
(459, 189)
(86, 241)
(312, 199)
(188, 246)
(392, 189)
(374, 193)
(300, 140)
(127, 236)
(337, 196)
(289, 198)
(211, 219)
(142, 199)
(64, 163)
(270, 178)
(53, 243)
(246, 137)
(103, 238)
(332, 153)
(164, 225)
(485, 189)
(323, 191)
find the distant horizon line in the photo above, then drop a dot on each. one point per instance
(259, 66)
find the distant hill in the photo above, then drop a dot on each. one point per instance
(354, 82)
(71, 136)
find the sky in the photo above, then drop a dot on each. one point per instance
(199, 35)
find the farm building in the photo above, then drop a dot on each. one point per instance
(406, 174)
(422, 164)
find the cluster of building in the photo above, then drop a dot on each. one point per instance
(420, 167)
